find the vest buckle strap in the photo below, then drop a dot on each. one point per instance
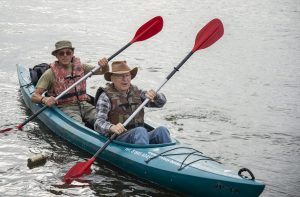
(69, 95)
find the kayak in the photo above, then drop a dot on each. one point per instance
(173, 165)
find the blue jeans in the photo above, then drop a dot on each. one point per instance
(140, 135)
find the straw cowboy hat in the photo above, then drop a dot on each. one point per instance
(120, 67)
(62, 45)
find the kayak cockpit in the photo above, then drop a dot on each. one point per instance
(89, 131)
(147, 126)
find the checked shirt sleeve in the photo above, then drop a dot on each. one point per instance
(102, 109)
(159, 101)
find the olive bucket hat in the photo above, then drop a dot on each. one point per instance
(62, 45)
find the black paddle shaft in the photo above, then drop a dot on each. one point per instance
(119, 51)
(179, 65)
(32, 116)
(105, 145)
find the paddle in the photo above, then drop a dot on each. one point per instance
(146, 31)
(207, 36)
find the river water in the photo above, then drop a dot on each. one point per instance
(237, 101)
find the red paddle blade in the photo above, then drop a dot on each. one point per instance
(209, 34)
(80, 169)
(148, 30)
(6, 129)
(20, 126)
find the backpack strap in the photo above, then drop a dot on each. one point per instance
(98, 93)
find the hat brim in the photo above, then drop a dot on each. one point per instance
(133, 72)
(53, 52)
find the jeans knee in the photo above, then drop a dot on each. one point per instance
(140, 131)
(140, 136)
(163, 130)
(161, 135)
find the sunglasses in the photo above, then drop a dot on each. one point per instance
(63, 53)
(121, 76)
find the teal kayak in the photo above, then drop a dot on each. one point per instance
(173, 165)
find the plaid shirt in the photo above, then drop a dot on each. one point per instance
(103, 107)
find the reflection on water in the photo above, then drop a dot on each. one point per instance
(237, 101)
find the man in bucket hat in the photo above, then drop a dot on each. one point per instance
(63, 73)
(118, 100)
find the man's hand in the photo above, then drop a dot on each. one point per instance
(151, 94)
(118, 128)
(104, 64)
(49, 101)
(38, 98)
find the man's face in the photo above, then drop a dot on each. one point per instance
(64, 56)
(121, 81)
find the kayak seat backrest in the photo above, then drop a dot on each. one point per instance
(92, 100)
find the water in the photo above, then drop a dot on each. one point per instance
(237, 101)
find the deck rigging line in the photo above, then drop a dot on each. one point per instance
(188, 154)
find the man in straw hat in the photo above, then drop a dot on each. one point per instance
(118, 100)
(63, 73)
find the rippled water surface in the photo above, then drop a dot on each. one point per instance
(237, 101)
